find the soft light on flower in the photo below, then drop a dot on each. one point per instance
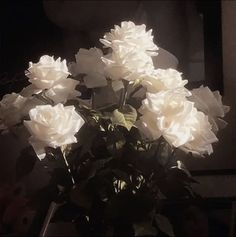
(131, 36)
(63, 91)
(89, 62)
(163, 79)
(59, 93)
(166, 114)
(128, 64)
(47, 72)
(171, 115)
(52, 126)
(203, 137)
(211, 104)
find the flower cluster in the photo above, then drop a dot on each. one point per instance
(112, 119)
(131, 50)
(49, 125)
(186, 119)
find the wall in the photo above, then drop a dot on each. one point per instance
(224, 156)
(229, 60)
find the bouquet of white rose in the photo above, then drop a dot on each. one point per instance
(115, 120)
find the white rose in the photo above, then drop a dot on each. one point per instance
(14, 107)
(63, 91)
(126, 63)
(147, 125)
(131, 35)
(11, 109)
(47, 72)
(211, 104)
(203, 137)
(30, 90)
(163, 79)
(171, 115)
(59, 93)
(52, 126)
(89, 62)
(166, 113)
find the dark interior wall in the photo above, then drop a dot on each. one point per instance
(32, 28)
(26, 33)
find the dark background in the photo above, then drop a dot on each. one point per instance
(26, 33)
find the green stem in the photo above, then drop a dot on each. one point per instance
(124, 94)
(161, 139)
(52, 209)
(68, 167)
(55, 204)
(135, 90)
(171, 157)
(93, 97)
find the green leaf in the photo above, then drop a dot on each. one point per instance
(104, 97)
(164, 225)
(119, 174)
(144, 229)
(136, 83)
(80, 196)
(86, 137)
(180, 165)
(125, 116)
(115, 142)
(96, 166)
(181, 170)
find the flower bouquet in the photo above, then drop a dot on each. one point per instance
(109, 125)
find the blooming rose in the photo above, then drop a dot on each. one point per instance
(11, 109)
(47, 72)
(132, 48)
(171, 115)
(163, 79)
(203, 137)
(164, 113)
(131, 36)
(211, 104)
(14, 107)
(52, 126)
(52, 76)
(128, 64)
(89, 62)
(63, 91)
(59, 93)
